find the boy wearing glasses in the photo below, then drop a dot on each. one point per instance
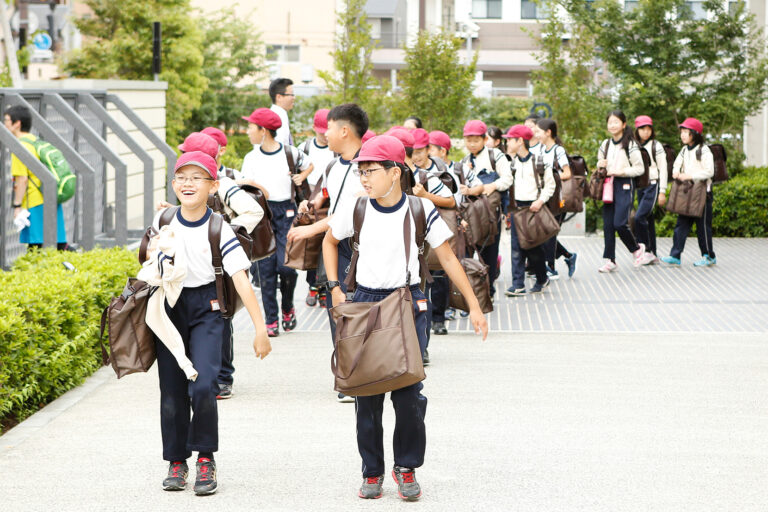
(267, 165)
(196, 315)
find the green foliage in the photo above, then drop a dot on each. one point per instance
(437, 86)
(233, 59)
(119, 45)
(501, 111)
(49, 323)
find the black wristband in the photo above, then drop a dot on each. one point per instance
(17, 205)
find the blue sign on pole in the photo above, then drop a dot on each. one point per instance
(42, 41)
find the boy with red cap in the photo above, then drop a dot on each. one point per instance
(321, 155)
(268, 166)
(493, 169)
(645, 224)
(221, 140)
(694, 162)
(381, 267)
(531, 192)
(195, 314)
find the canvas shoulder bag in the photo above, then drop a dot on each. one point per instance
(597, 179)
(534, 228)
(477, 274)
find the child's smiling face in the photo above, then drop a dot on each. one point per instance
(192, 186)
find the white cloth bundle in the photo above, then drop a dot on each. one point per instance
(21, 221)
(240, 206)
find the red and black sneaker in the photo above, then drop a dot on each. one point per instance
(177, 476)
(272, 330)
(206, 477)
(289, 320)
(322, 300)
(371, 488)
(407, 486)
(311, 299)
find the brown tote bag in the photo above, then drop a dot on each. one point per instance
(376, 347)
(477, 273)
(687, 198)
(305, 253)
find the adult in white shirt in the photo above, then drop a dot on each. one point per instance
(281, 93)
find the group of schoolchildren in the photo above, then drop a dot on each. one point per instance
(345, 161)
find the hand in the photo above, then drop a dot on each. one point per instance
(489, 189)
(418, 190)
(261, 344)
(162, 205)
(16, 211)
(464, 225)
(662, 199)
(675, 175)
(338, 296)
(536, 206)
(297, 179)
(479, 322)
(299, 233)
(304, 206)
(602, 163)
(464, 190)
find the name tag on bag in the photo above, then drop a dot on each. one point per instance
(422, 304)
(215, 305)
(626, 186)
(289, 213)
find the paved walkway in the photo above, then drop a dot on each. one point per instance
(607, 420)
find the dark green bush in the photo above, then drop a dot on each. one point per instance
(49, 323)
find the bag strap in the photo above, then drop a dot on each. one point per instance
(538, 175)
(458, 168)
(492, 158)
(341, 188)
(420, 221)
(357, 222)
(214, 239)
(423, 178)
(104, 355)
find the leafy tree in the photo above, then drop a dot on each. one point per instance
(119, 45)
(233, 59)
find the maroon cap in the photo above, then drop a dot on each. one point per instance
(265, 118)
(381, 148)
(693, 124)
(403, 135)
(475, 127)
(369, 134)
(320, 124)
(198, 159)
(441, 139)
(641, 121)
(217, 135)
(518, 131)
(199, 141)
(420, 138)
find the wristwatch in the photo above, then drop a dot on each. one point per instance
(17, 205)
(333, 284)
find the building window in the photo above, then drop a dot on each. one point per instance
(282, 53)
(530, 10)
(486, 9)
(630, 5)
(696, 9)
(733, 6)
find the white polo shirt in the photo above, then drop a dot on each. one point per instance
(271, 171)
(284, 132)
(342, 184)
(320, 156)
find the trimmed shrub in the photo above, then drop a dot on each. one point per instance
(49, 323)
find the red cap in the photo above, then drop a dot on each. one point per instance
(380, 148)
(518, 131)
(693, 124)
(265, 118)
(368, 135)
(404, 136)
(320, 123)
(475, 127)
(641, 121)
(198, 159)
(441, 139)
(198, 141)
(216, 134)
(420, 138)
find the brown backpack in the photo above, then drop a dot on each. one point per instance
(555, 203)
(477, 274)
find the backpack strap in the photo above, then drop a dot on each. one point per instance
(423, 178)
(301, 192)
(214, 239)
(357, 222)
(538, 175)
(229, 173)
(653, 152)
(492, 158)
(458, 168)
(165, 218)
(305, 146)
(420, 221)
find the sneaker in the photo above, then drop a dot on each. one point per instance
(464, 314)
(425, 358)
(705, 261)
(371, 488)
(712, 261)
(177, 476)
(654, 259)
(345, 399)
(311, 299)
(646, 259)
(639, 255)
(289, 320)
(539, 287)
(514, 292)
(450, 314)
(225, 391)
(439, 328)
(206, 477)
(407, 486)
(671, 260)
(321, 299)
(552, 274)
(571, 264)
(272, 330)
(608, 267)
(498, 263)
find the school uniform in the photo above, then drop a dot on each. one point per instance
(381, 268)
(502, 179)
(701, 170)
(270, 170)
(526, 192)
(283, 135)
(616, 214)
(197, 317)
(553, 249)
(645, 224)
(320, 156)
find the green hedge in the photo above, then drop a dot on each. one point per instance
(49, 324)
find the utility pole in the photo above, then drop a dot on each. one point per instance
(10, 47)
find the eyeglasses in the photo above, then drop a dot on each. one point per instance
(367, 173)
(195, 180)
(286, 94)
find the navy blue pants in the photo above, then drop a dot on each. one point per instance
(616, 217)
(645, 224)
(227, 359)
(410, 437)
(490, 256)
(345, 254)
(553, 249)
(437, 299)
(203, 332)
(534, 255)
(268, 270)
(703, 231)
